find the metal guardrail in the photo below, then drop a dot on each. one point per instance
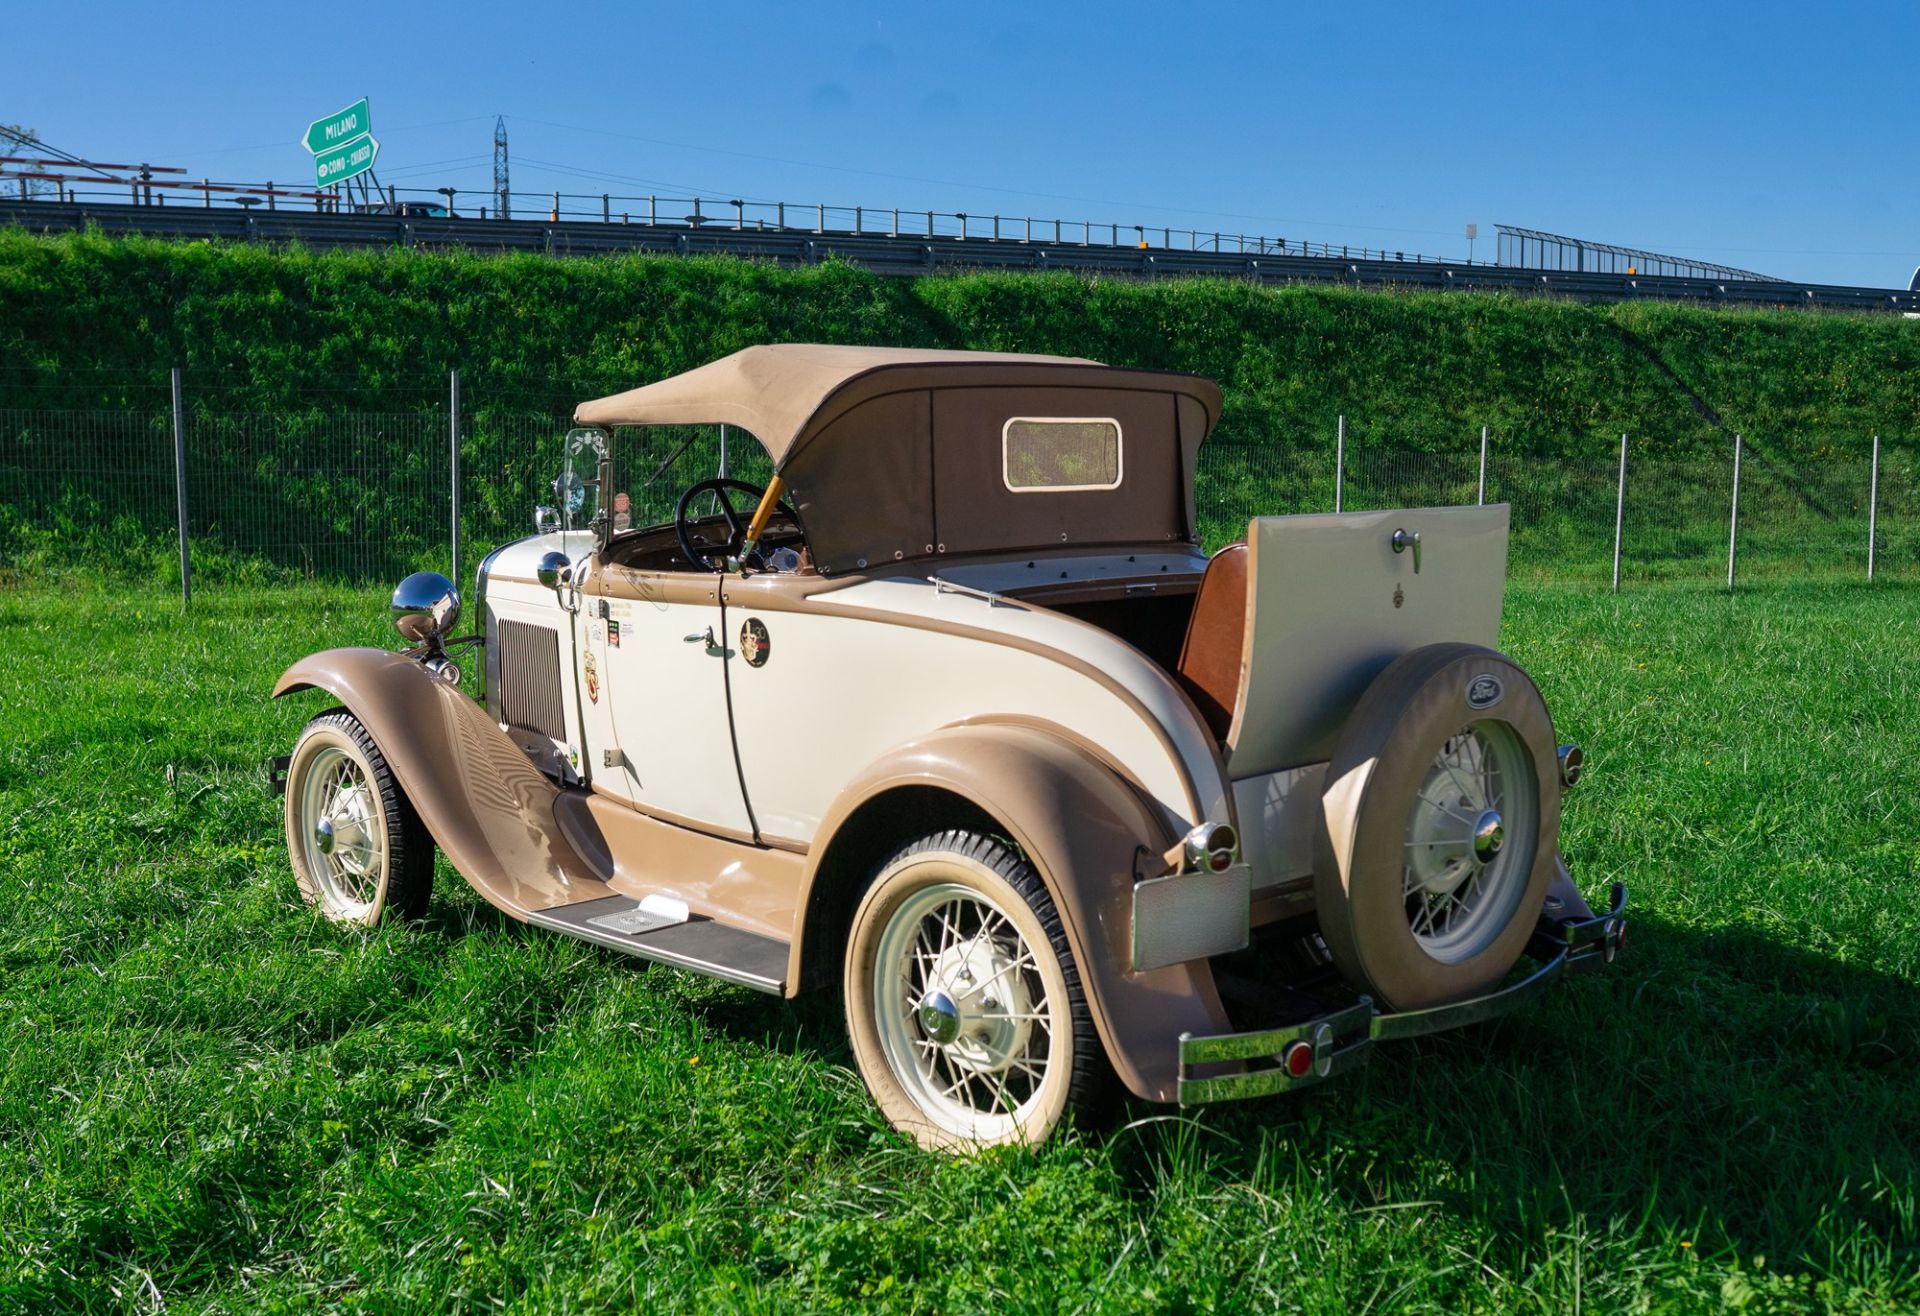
(663, 212)
(910, 254)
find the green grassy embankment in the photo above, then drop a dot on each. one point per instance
(265, 326)
(211, 1100)
(314, 383)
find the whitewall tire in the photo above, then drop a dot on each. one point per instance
(964, 1005)
(359, 852)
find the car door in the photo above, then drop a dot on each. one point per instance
(657, 640)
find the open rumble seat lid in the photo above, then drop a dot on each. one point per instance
(864, 436)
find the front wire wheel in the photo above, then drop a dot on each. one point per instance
(357, 847)
(964, 1004)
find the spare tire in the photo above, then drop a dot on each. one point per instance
(1439, 827)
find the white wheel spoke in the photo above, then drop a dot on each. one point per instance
(1447, 809)
(998, 974)
(1466, 789)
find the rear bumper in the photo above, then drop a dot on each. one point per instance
(1343, 1040)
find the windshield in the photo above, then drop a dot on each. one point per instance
(576, 491)
(654, 464)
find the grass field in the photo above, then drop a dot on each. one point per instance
(211, 1101)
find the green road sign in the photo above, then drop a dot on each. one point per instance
(337, 164)
(339, 128)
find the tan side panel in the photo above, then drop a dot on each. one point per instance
(732, 882)
(485, 805)
(1084, 829)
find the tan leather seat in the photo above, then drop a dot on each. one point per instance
(1209, 665)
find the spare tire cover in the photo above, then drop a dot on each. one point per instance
(1369, 896)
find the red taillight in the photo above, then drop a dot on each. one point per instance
(1220, 860)
(1298, 1059)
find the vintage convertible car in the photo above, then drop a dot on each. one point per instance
(951, 712)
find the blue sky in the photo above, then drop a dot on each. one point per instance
(1774, 137)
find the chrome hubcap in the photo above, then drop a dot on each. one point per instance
(1462, 880)
(1488, 837)
(940, 1018)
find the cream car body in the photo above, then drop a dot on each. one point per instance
(985, 614)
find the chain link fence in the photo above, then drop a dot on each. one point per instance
(340, 486)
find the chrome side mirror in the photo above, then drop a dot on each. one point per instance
(425, 607)
(546, 520)
(554, 570)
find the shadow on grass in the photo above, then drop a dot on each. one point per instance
(1713, 1086)
(811, 1025)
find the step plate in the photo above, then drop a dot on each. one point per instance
(698, 943)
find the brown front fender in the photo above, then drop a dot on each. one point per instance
(488, 808)
(1084, 829)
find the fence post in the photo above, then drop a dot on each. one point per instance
(453, 453)
(180, 488)
(1733, 524)
(1873, 506)
(1619, 513)
(1483, 466)
(1340, 467)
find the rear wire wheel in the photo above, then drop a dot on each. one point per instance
(1462, 878)
(358, 849)
(964, 1005)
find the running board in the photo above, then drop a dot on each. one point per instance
(653, 930)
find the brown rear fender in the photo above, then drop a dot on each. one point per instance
(1085, 831)
(487, 807)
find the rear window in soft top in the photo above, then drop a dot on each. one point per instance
(1046, 454)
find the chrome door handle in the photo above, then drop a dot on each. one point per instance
(701, 637)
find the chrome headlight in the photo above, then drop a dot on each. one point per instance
(426, 608)
(554, 570)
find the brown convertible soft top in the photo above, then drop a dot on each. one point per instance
(864, 435)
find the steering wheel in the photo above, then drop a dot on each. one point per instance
(711, 556)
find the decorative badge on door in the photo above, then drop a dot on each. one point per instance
(754, 644)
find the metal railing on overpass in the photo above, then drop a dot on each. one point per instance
(1531, 249)
(655, 211)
